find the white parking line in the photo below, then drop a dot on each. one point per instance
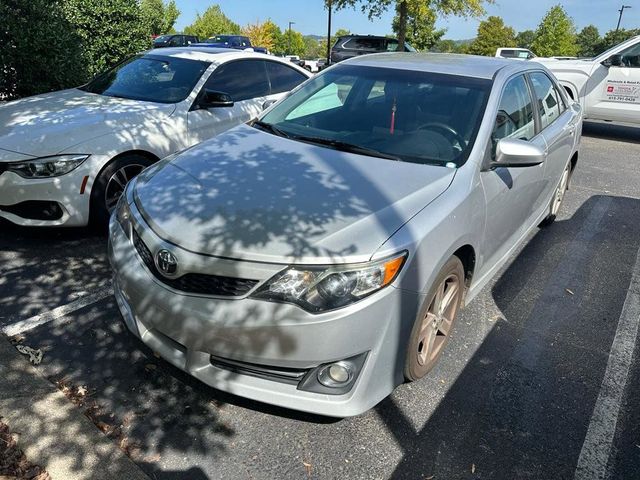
(596, 449)
(37, 320)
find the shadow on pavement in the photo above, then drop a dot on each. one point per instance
(521, 406)
(612, 131)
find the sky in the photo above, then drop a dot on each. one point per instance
(311, 18)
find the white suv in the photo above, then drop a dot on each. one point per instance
(607, 86)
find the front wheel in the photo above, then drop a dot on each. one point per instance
(110, 185)
(432, 329)
(558, 197)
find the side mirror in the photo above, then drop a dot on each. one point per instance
(214, 99)
(613, 61)
(513, 152)
(268, 103)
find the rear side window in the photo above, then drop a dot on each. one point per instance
(283, 78)
(546, 98)
(241, 79)
(365, 44)
(515, 113)
(507, 53)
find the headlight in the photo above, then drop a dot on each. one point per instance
(123, 213)
(46, 167)
(318, 289)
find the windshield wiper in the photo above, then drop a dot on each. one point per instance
(270, 128)
(346, 147)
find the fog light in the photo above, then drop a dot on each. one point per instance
(335, 374)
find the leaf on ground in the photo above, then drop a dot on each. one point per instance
(473, 468)
(150, 367)
(570, 292)
(307, 467)
(35, 355)
(82, 390)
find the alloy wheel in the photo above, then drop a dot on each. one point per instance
(117, 183)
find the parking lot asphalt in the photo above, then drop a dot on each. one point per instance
(541, 378)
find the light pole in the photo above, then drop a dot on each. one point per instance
(329, 34)
(289, 47)
(620, 17)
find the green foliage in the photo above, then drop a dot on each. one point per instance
(525, 39)
(421, 26)
(260, 35)
(375, 8)
(492, 34)
(613, 38)
(212, 22)
(451, 46)
(30, 62)
(108, 30)
(556, 35)
(588, 41)
(293, 43)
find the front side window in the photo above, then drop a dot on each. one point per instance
(515, 113)
(631, 56)
(283, 78)
(405, 115)
(241, 79)
(546, 97)
(151, 78)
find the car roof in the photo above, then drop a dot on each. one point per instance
(209, 54)
(447, 63)
(206, 54)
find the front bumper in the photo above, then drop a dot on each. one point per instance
(191, 330)
(56, 201)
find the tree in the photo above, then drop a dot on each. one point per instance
(160, 18)
(588, 41)
(421, 26)
(451, 46)
(212, 22)
(525, 38)
(375, 8)
(260, 35)
(293, 42)
(492, 34)
(108, 31)
(613, 38)
(556, 34)
(171, 14)
(30, 62)
(273, 30)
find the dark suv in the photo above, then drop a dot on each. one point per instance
(175, 40)
(349, 46)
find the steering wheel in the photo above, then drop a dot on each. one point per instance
(444, 128)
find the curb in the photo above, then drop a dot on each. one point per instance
(51, 431)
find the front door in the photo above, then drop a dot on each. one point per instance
(513, 196)
(613, 93)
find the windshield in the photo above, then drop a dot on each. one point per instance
(401, 114)
(162, 39)
(149, 78)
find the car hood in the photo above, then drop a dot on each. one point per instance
(51, 123)
(251, 195)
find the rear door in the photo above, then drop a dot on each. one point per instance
(514, 196)
(613, 93)
(246, 82)
(282, 79)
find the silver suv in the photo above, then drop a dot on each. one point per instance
(349, 46)
(319, 257)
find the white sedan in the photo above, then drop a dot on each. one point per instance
(65, 157)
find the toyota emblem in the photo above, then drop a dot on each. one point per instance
(167, 263)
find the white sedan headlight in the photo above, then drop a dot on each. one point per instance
(323, 288)
(45, 167)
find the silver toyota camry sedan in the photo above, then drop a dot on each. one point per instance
(318, 257)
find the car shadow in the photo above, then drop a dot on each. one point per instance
(520, 407)
(612, 131)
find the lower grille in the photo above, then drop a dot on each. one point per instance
(279, 374)
(35, 210)
(198, 283)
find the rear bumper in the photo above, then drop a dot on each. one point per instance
(187, 330)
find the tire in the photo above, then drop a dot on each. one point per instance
(431, 330)
(111, 183)
(558, 197)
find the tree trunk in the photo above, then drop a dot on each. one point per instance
(402, 24)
